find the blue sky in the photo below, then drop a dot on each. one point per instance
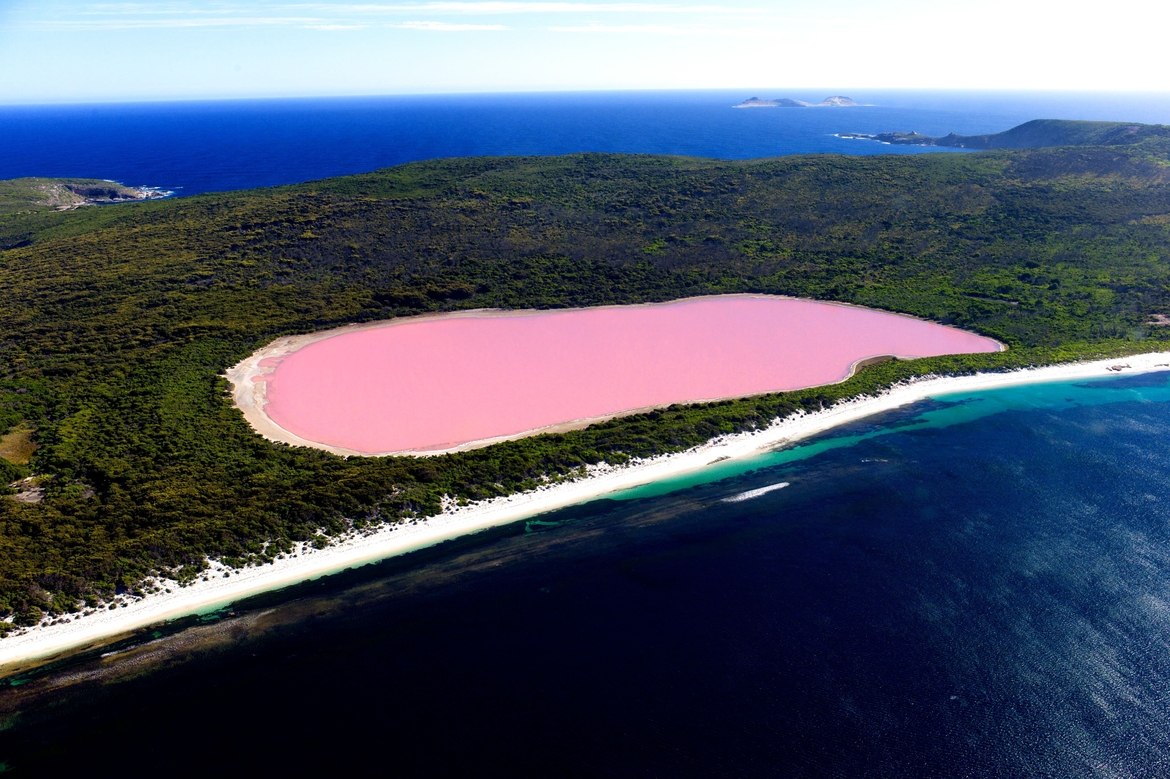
(80, 51)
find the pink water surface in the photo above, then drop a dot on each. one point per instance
(438, 383)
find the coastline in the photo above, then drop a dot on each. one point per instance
(221, 586)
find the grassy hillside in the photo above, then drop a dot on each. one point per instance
(117, 322)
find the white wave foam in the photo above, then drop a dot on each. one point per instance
(756, 492)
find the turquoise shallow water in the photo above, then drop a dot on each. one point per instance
(939, 412)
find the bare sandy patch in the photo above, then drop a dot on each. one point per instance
(17, 445)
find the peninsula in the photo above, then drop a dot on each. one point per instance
(1035, 134)
(66, 194)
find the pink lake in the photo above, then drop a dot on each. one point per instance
(437, 383)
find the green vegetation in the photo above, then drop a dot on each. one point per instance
(1036, 134)
(1061, 132)
(116, 323)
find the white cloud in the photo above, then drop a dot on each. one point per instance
(234, 14)
(632, 29)
(447, 27)
(177, 23)
(333, 16)
(494, 7)
(761, 32)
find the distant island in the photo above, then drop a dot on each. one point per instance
(836, 101)
(1037, 133)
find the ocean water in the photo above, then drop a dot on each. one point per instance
(213, 146)
(975, 586)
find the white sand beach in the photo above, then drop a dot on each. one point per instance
(222, 586)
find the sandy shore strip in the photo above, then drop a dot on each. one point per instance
(222, 586)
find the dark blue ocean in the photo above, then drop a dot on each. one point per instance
(213, 146)
(974, 586)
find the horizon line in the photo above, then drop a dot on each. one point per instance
(139, 100)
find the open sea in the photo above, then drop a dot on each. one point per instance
(974, 586)
(198, 147)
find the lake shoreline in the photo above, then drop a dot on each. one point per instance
(251, 378)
